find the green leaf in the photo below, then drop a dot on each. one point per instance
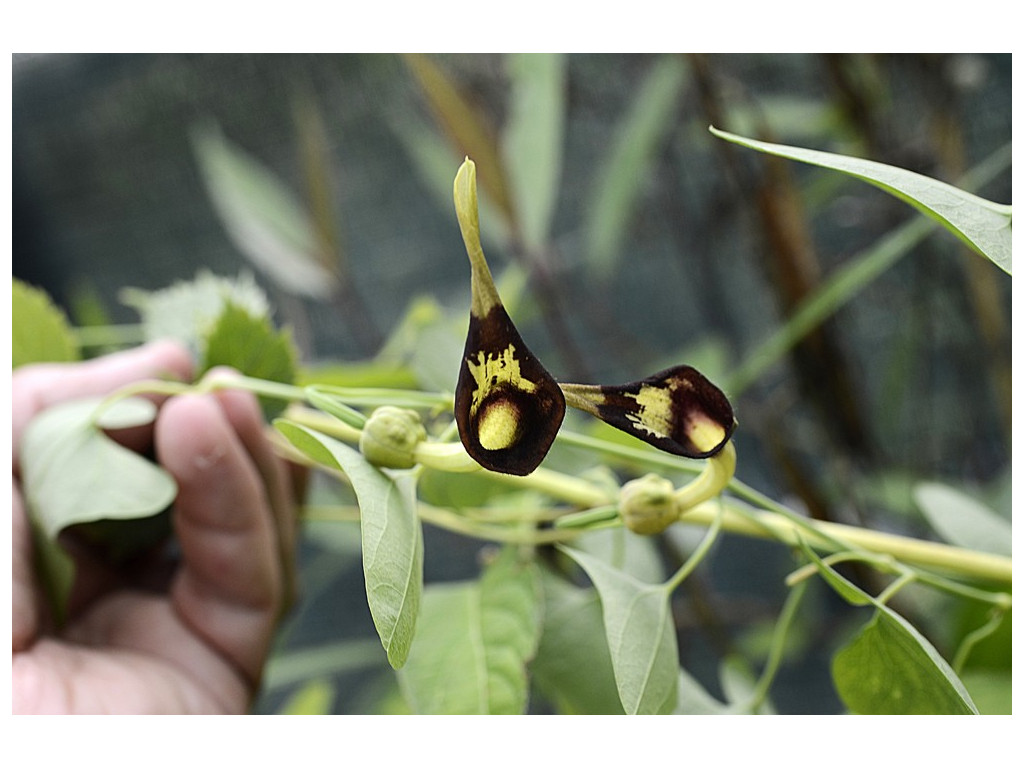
(474, 641)
(249, 343)
(694, 698)
(533, 139)
(40, 332)
(641, 636)
(573, 667)
(392, 539)
(624, 171)
(625, 551)
(188, 309)
(510, 614)
(262, 216)
(992, 691)
(983, 225)
(890, 669)
(739, 684)
(74, 475)
(962, 520)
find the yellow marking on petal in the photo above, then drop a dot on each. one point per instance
(654, 412)
(489, 371)
(499, 426)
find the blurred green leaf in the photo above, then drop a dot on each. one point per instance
(262, 216)
(73, 474)
(250, 344)
(298, 664)
(836, 291)
(641, 636)
(694, 698)
(67, 464)
(314, 698)
(392, 539)
(621, 176)
(40, 332)
(429, 340)
(533, 139)
(991, 691)
(983, 225)
(573, 667)
(625, 551)
(466, 128)
(962, 520)
(890, 669)
(474, 641)
(739, 684)
(434, 161)
(188, 309)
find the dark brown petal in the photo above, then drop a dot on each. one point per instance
(677, 410)
(507, 406)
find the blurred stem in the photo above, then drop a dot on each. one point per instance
(836, 537)
(777, 649)
(847, 281)
(975, 637)
(700, 552)
(109, 335)
(316, 164)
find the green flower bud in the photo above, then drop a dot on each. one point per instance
(647, 505)
(390, 437)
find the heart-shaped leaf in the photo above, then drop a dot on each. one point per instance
(474, 641)
(392, 538)
(73, 474)
(641, 636)
(889, 667)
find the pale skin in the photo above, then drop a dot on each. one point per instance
(189, 635)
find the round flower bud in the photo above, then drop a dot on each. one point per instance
(390, 437)
(647, 505)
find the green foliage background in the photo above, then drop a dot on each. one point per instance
(625, 238)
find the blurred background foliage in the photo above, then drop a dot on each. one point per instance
(625, 238)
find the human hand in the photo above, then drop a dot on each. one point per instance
(188, 636)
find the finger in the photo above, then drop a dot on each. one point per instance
(25, 598)
(36, 387)
(244, 414)
(230, 586)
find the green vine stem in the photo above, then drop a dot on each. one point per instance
(772, 521)
(760, 524)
